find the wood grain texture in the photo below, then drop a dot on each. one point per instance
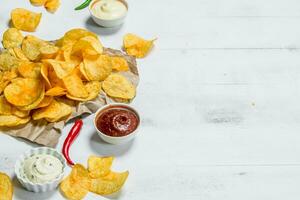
(219, 99)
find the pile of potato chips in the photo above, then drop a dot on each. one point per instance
(98, 178)
(6, 187)
(50, 5)
(44, 80)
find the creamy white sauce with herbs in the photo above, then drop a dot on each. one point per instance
(109, 9)
(42, 168)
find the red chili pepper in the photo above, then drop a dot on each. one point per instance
(70, 139)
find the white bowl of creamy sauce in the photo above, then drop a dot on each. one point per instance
(40, 169)
(108, 13)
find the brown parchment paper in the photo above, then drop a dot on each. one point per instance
(47, 134)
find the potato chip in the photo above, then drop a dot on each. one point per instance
(81, 175)
(97, 68)
(67, 55)
(72, 36)
(119, 64)
(19, 54)
(20, 113)
(118, 86)
(10, 74)
(99, 166)
(6, 187)
(62, 69)
(23, 91)
(137, 46)
(52, 5)
(5, 107)
(54, 80)
(45, 102)
(74, 86)
(31, 47)
(93, 88)
(65, 112)
(11, 52)
(49, 51)
(30, 69)
(54, 112)
(83, 73)
(36, 102)
(38, 2)
(108, 184)
(87, 45)
(12, 120)
(56, 91)
(25, 20)
(72, 190)
(12, 37)
(7, 61)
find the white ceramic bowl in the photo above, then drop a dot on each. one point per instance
(108, 22)
(116, 140)
(34, 187)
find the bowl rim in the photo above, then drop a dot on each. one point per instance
(122, 1)
(117, 104)
(26, 154)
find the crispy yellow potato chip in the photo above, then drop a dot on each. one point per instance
(19, 54)
(6, 187)
(35, 103)
(119, 64)
(20, 113)
(25, 20)
(31, 47)
(38, 2)
(45, 102)
(54, 80)
(60, 55)
(75, 86)
(12, 120)
(81, 175)
(5, 107)
(56, 91)
(52, 5)
(11, 52)
(82, 72)
(108, 184)
(99, 166)
(87, 45)
(118, 86)
(137, 46)
(72, 190)
(7, 61)
(49, 51)
(98, 67)
(6, 77)
(12, 37)
(54, 112)
(23, 91)
(72, 36)
(62, 69)
(67, 55)
(93, 88)
(30, 69)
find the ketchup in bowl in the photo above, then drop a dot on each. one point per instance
(117, 121)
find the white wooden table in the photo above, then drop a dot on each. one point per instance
(219, 99)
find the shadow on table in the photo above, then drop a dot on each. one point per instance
(105, 149)
(92, 26)
(22, 193)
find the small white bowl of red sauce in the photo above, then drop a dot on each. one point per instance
(117, 123)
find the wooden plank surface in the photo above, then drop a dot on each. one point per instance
(219, 99)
